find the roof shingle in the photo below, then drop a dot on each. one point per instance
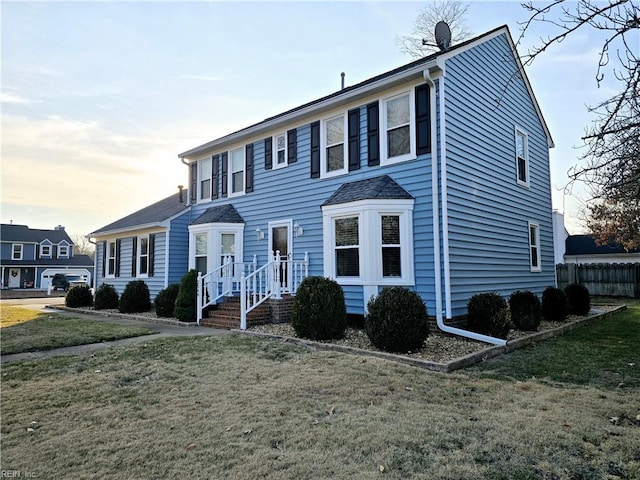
(377, 188)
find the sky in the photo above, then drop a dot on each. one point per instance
(98, 98)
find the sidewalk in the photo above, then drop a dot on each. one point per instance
(162, 330)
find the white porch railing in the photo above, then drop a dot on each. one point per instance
(278, 276)
(221, 282)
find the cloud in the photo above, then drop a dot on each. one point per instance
(206, 78)
(15, 99)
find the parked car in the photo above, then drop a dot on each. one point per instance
(65, 282)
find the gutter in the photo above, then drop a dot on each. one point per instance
(433, 72)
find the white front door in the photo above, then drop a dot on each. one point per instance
(14, 278)
(281, 240)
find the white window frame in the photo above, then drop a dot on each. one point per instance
(535, 245)
(275, 164)
(20, 251)
(335, 248)
(370, 214)
(324, 161)
(201, 179)
(214, 232)
(139, 256)
(107, 271)
(50, 252)
(520, 132)
(63, 253)
(230, 192)
(384, 158)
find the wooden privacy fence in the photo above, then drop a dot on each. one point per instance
(610, 279)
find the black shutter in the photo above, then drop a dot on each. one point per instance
(118, 248)
(292, 145)
(152, 252)
(193, 189)
(315, 150)
(373, 134)
(215, 172)
(354, 139)
(104, 259)
(248, 163)
(134, 254)
(225, 169)
(423, 125)
(268, 154)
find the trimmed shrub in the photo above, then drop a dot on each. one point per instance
(187, 299)
(555, 305)
(397, 320)
(319, 311)
(526, 311)
(135, 298)
(106, 297)
(166, 300)
(487, 313)
(78, 297)
(578, 298)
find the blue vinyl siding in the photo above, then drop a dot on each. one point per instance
(487, 210)
(178, 250)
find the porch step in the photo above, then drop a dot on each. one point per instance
(227, 315)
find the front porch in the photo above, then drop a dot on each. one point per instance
(241, 294)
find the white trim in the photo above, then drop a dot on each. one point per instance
(445, 208)
(411, 155)
(139, 256)
(274, 151)
(13, 252)
(535, 245)
(230, 192)
(46, 244)
(107, 258)
(324, 165)
(280, 223)
(214, 232)
(200, 170)
(65, 255)
(521, 132)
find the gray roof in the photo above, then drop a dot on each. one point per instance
(377, 188)
(75, 261)
(219, 214)
(24, 234)
(153, 214)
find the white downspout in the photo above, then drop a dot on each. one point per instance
(434, 71)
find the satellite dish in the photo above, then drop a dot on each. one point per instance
(443, 35)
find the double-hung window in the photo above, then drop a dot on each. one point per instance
(281, 150)
(534, 247)
(236, 174)
(347, 247)
(63, 251)
(201, 252)
(45, 251)
(16, 253)
(143, 256)
(522, 158)
(398, 128)
(111, 259)
(205, 179)
(334, 146)
(390, 245)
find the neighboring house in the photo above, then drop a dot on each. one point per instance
(560, 235)
(581, 249)
(433, 176)
(137, 246)
(31, 257)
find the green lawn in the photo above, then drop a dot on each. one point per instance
(26, 330)
(240, 407)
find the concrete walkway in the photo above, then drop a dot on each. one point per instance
(162, 330)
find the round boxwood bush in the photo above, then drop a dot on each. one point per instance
(397, 320)
(487, 313)
(526, 311)
(166, 300)
(555, 305)
(135, 298)
(187, 299)
(78, 297)
(578, 298)
(319, 311)
(106, 297)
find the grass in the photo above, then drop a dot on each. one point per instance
(606, 354)
(24, 330)
(239, 407)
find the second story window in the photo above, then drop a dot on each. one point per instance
(205, 179)
(63, 251)
(16, 253)
(45, 250)
(281, 151)
(398, 131)
(236, 174)
(333, 146)
(522, 158)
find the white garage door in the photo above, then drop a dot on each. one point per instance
(48, 274)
